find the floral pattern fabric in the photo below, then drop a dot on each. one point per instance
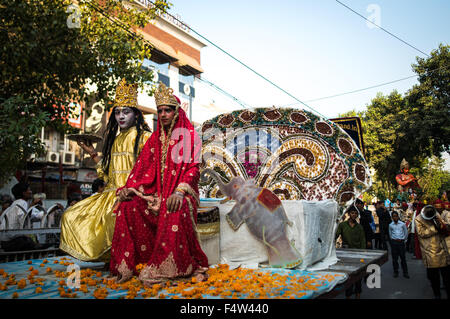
(166, 242)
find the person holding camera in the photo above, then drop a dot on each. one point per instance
(432, 231)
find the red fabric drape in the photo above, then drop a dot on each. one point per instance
(166, 242)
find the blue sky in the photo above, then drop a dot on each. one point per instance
(313, 49)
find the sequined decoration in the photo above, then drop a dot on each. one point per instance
(292, 152)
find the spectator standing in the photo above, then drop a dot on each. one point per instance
(384, 219)
(15, 214)
(6, 201)
(417, 250)
(430, 229)
(397, 207)
(72, 199)
(5, 204)
(446, 218)
(366, 221)
(376, 234)
(409, 221)
(398, 233)
(98, 186)
(352, 235)
(38, 210)
(37, 213)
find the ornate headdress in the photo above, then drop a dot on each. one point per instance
(404, 164)
(164, 96)
(126, 94)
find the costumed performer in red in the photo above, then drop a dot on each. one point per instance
(156, 219)
(406, 181)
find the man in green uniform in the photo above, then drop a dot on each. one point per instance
(353, 236)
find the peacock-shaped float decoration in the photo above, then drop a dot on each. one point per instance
(292, 152)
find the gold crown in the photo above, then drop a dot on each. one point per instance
(126, 94)
(404, 164)
(164, 96)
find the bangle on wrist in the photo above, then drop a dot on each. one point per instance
(179, 193)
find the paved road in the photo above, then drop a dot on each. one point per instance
(416, 287)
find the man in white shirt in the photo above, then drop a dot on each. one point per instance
(38, 211)
(19, 207)
(15, 214)
(398, 233)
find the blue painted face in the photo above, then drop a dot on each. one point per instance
(125, 117)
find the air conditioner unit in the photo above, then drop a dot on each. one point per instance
(52, 157)
(68, 158)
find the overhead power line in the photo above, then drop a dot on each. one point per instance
(390, 33)
(242, 63)
(364, 89)
(134, 35)
(243, 104)
(374, 86)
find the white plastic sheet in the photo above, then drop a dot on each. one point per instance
(312, 233)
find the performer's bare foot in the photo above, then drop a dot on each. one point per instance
(201, 277)
(121, 278)
(111, 277)
(150, 282)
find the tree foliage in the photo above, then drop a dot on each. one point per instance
(433, 179)
(21, 140)
(413, 126)
(52, 51)
(429, 103)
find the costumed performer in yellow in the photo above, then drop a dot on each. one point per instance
(87, 228)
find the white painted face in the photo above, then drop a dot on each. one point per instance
(125, 117)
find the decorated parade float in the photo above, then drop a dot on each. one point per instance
(289, 174)
(274, 183)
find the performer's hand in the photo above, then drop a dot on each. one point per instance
(124, 195)
(174, 202)
(86, 146)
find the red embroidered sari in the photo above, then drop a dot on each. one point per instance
(166, 242)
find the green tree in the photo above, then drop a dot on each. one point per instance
(433, 178)
(51, 50)
(21, 140)
(413, 126)
(428, 104)
(382, 123)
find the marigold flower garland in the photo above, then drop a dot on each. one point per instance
(222, 282)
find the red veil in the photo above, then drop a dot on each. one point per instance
(166, 242)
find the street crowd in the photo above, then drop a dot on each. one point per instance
(417, 228)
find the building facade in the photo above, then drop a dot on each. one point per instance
(175, 61)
